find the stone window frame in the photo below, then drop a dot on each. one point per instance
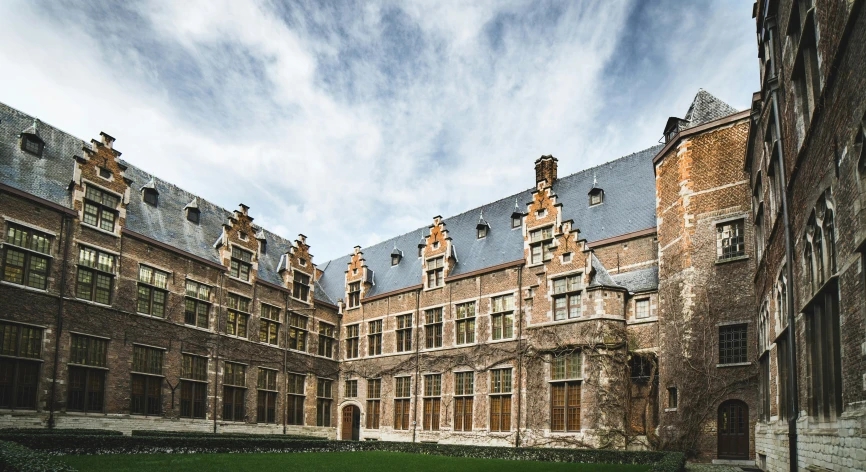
(672, 398)
(649, 308)
(234, 388)
(96, 204)
(433, 327)
(238, 315)
(466, 321)
(502, 313)
(402, 402)
(435, 272)
(733, 344)
(354, 297)
(805, 72)
(374, 402)
(353, 341)
(464, 400)
(374, 337)
(567, 294)
(730, 246)
(327, 341)
(99, 273)
(241, 263)
(145, 371)
(31, 244)
(298, 331)
(88, 357)
(350, 388)
(193, 386)
(403, 332)
(543, 244)
(270, 324)
(295, 398)
(25, 361)
(819, 243)
(500, 399)
(432, 402)
(266, 395)
(152, 283)
(196, 299)
(301, 286)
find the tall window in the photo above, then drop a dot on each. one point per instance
(326, 340)
(100, 208)
(432, 401)
(374, 338)
(824, 341)
(87, 373)
(435, 272)
(404, 333)
(351, 388)
(19, 376)
(26, 261)
(402, 394)
(729, 240)
(503, 317)
(466, 323)
(193, 386)
(673, 398)
(354, 294)
(566, 297)
(241, 263)
(500, 400)
(539, 245)
(196, 304)
(782, 376)
(301, 286)
(95, 275)
(147, 380)
(234, 391)
(764, 386)
(269, 325)
(295, 399)
(297, 332)
(758, 206)
(323, 403)
(152, 291)
(266, 407)
(806, 75)
(565, 380)
(642, 308)
(433, 328)
(238, 315)
(374, 402)
(464, 391)
(353, 341)
(732, 344)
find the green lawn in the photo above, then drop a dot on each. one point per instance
(324, 461)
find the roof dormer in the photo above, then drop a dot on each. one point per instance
(482, 228)
(596, 194)
(517, 216)
(396, 255)
(31, 141)
(149, 193)
(192, 211)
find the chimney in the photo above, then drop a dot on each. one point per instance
(545, 169)
(107, 140)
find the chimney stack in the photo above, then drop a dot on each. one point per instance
(545, 169)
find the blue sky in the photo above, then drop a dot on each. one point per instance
(352, 122)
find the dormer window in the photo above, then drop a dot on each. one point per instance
(105, 173)
(151, 196)
(193, 215)
(396, 255)
(100, 208)
(354, 294)
(32, 145)
(242, 262)
(596, 197)
(482, 232)
(516, 221)
(435, 272)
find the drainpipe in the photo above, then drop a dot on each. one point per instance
(519, 349)
(794, 400)
(417, 365)
(65, 228)
(216, 377)
(286, 364)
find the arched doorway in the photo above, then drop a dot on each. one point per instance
(733, 428)
(350, 429)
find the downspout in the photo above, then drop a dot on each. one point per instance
(417, 365)
(286, 364)
(794, 400)
(519, 350)
(216, 379)
(65, 228)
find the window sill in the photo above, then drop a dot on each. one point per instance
(97, 228)
(430, 289)
(236, 279)
(731, 259)
(651, 319)
(91, 302)
(25, 287)
(735, 364)
(299, 300)
(148, 315)
(73, 364)
(199, 328)
(668, 410)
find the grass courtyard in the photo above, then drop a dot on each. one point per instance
(377, 461)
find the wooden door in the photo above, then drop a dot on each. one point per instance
(733, 430)
(351, 424)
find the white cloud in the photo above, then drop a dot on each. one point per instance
(348, 126)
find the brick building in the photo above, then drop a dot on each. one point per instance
(806, 162)
(559, 316)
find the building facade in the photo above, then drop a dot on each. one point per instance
(559, 316)
(806, 164)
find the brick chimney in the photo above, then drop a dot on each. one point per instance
(545, 169)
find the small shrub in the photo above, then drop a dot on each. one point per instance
(17, 458)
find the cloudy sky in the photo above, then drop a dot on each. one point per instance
(353, 122)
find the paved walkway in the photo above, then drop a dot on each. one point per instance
(696, 467)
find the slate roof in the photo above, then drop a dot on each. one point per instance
(600, 276)
(705, 108)
(49, 177)
(641, 280)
